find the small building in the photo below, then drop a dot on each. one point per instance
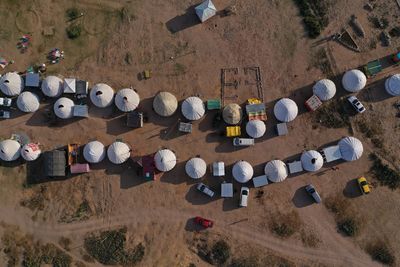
(313, 103)
(55, 163)
(69, 86)
(134, 119)
(32, 80)
(81, 87)
(81, 111)
(206, 10)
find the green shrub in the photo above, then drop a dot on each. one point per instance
(348, 226)
(384, 174)
(72, 13)
(285, 225)
(314, 15)
(74, 31)
(380, 252)
(219, 253)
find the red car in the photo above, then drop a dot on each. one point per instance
(203, 222)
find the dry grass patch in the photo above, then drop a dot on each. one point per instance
(381, 252)
(285, 225)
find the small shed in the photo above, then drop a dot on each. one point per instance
(81, 87)
(260, 181)
(226, 190)
(185, 127)
(69, 86)
(134, 119)
(81, 111)
(79, 168)
(219, 168)
(295, 167)
(313, 103)
(331, 153)
(32, 79)
(55, 163)
(281, 128)
(205, 10)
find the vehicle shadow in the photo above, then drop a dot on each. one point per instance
(351, 189)
(191, 226)
(301, 199)
(184, 21)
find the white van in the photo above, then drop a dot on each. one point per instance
(243, 141)
(244, 195)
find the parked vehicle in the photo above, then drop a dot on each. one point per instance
(243, 141)
(4, 114)
(244, 195)
(6, 102)
(363, 184)
(203, 222)
(205, 189)
(358, 106)
(313, 193)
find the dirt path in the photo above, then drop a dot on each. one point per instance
(344, 253)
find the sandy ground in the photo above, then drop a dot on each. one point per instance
(268, 34)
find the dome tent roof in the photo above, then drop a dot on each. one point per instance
(196, 168)
(165, 104)
(232, 114)
(242, 171)
(276, 171)
(350, 148)
(30, 152)
(193, 108)
(118, 152)
(11, 84)
(285, 110)
(311, 160)
(127, 100)
(325, 89)
(28, 102)
(165, 160)
(52, 86)
(101, 95)
(392, 85)
(354, 81)
(63, 108)
(94, 152)
(10, 150)
(255, 128)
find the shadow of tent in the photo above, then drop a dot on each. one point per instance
(374, 92)
(351, 189)
(117, 126)
(184, 21)
(177, 175)
(130, 178)
(301, 199)
(104, 113)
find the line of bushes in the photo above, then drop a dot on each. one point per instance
(314, 13)
(384, 174)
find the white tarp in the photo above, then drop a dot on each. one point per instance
(392, 85)
(63, 108)
(205, 10)
(94, 152)
(285, 110)
(276, 171)
(295, 166)
(118, 152)
(165, 160)
(30, 152)
(11, 84)
(242, 171)
(354, 80)
(350, 148)
(165, 104)
(226, 190)
(10, 150)
(196, 168)
(219, 168)
(324, 89)
(69, 86)
(127, 100)
(311, 160)
(52, 86)
(102, 95)
(332, 153)
(193, 108)
(28, 102)
(255, 128)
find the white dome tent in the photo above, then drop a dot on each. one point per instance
(324, 89)
(127, 100)
(165, 104)
(30, 152)
(101, 95)
(165, 160)
(276, 171)
(118, 152)
(63, 108)
(94, 152)
(28, 102)
(11, 84)
(193, 108)
(285, 110)
(232, 114)
(52, 86)
(350, 148)
(392, 85)
(10, 150)
(255, 128)
(205, 10)
(311, 160)
(354, 81)
(242, 171)
(196, 168)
